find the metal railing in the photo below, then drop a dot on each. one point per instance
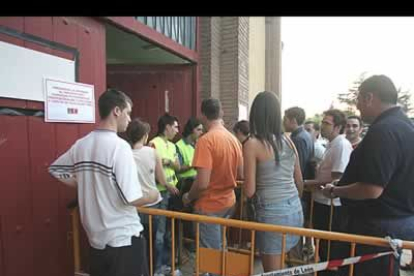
(228, 257)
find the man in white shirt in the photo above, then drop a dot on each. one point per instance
(314, 130)
(101, 167)
(331, 168)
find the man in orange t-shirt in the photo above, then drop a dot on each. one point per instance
(218, 160)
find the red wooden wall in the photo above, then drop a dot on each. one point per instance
(34, 221)
(147, 85)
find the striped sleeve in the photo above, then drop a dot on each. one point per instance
(63, 168)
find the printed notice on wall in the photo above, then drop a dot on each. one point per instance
(69, 102)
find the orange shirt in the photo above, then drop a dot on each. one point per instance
(219, 151)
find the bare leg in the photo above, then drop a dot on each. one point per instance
(271, 262)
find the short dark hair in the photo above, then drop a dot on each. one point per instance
(136, 130)
(339, 118)
(191, 124)
(110, 99)
(242, 126)
(211, 108)
(316, 125)
(356, 117)
(165, 120)
(381, 86)
(296, 113)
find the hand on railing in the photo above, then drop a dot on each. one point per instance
(328, 191)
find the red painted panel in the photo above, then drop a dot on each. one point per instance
(85, 44)
(39, 26)
(34, 217)
(66, 135)
(86, 70)
(16, 23)
(45, 197)
(99, 37)
(2, 266)
(16, 197)
(147, 85)
(64, 31)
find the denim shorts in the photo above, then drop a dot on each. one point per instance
(287, 212)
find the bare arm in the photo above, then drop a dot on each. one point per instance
(160, 176)
(298, 177)
(184, 168)
(148, 199)
(200, 183)
(249, 161)
(336, 176)
(176, 165)
(316, 184)
(240, 175)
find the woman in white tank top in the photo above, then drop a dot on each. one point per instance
(148, 162)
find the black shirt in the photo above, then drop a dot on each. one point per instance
(385, 157)
(304, 144)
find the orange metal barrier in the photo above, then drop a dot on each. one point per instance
(227, 262)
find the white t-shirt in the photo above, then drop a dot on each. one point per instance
(107, 181)
(145, 160)
(335, 159)
(319, 151)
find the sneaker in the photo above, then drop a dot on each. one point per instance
(165, 269)
(308, 251)
(177, 272)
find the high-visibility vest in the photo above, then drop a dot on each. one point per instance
(166, 150)
(187, 152)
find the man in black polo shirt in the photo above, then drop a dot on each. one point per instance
(377, 187)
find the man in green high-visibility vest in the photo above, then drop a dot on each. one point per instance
(167, 129)
(185, 148)
(193, 129)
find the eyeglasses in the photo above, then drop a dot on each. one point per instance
(327, 123)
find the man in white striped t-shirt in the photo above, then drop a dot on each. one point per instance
(101, 167)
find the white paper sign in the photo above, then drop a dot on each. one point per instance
(69, 102)
(22, 71)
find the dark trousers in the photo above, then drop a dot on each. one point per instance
(121, 261)
(399, 228)
(338, 250)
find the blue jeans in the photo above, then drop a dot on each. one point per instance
(211, 234)
(162, 236)
(287, 212)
